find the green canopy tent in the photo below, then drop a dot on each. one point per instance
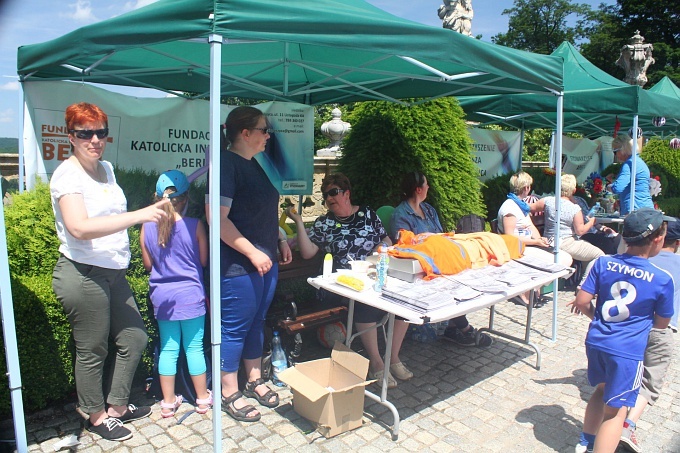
(666, 87)
(593, 101)
(307, 51)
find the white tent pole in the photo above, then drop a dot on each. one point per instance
(214, 233)
(11, 350)
(633, 169)
(521, 145)
(558, 192)
(21, 141)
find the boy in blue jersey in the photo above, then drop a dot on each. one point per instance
(632, 296)
(660, 345)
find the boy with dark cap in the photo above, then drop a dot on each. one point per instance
(659, 344)
(633, 295)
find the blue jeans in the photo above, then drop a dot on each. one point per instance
(244, 303)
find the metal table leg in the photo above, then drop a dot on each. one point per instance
(382, 398)
(527, 333)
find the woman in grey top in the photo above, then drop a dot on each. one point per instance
(572, 225)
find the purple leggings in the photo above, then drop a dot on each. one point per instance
(244, 303)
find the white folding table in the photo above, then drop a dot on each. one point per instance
(372, 298)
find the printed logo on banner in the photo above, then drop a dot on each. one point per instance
(294, 185)
(53, 137)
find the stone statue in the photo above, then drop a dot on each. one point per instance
(635, 59)
(335, 130)
(457, 16)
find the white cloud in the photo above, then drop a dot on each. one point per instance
(82, 11)
(7, 116)
(10, 86)
(136, 4)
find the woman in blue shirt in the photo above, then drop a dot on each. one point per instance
(413, 214)
(622, 146)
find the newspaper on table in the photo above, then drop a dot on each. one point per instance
(424, 296)
(539, 264)
(471, 284)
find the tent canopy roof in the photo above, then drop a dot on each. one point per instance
(666, 87)
(593, 100)
(307, 51)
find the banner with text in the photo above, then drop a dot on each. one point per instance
(580, 156)
(157, 134)
(496, 152)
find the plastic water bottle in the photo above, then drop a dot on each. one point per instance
(279, 362)
(327, 265)
(595, 209)
(381, 268)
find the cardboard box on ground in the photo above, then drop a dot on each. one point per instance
(330, 392)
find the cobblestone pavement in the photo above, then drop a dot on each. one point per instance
(460, 400)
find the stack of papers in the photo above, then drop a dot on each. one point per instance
(424, 296)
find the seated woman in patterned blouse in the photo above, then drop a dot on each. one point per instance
(350, 232)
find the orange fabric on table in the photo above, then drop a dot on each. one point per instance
(450, 253)
(486, 248)
(436, 253)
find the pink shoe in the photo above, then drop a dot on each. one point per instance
(172, 407)
(207, 402)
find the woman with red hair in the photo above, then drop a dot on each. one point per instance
(91, 218)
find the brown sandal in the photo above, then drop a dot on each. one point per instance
(239, 414)
(265, 399)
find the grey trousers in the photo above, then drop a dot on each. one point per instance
(658, 356)
(99, 305)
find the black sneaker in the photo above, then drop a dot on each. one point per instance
(135, 413)
(111, 429)
(467, 338)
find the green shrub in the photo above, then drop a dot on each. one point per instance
(32, 243)
(664, 162)
(671, 206)
(45, 346)
(388, 140)
(140, 289)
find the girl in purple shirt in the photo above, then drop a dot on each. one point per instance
(175, 251)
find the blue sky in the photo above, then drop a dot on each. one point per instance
(32, 21)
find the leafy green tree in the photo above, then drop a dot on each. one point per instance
(606, 37)
(656, 20)
(541, 25)
(388, 140)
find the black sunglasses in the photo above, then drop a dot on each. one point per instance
(264, 130)
(616, 150)
(331, 193)
(87, 134)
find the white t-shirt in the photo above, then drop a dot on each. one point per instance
(523, 224)
(101, 199)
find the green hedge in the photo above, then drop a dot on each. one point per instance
(44, 344)
(32, 243)
(388, 140)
